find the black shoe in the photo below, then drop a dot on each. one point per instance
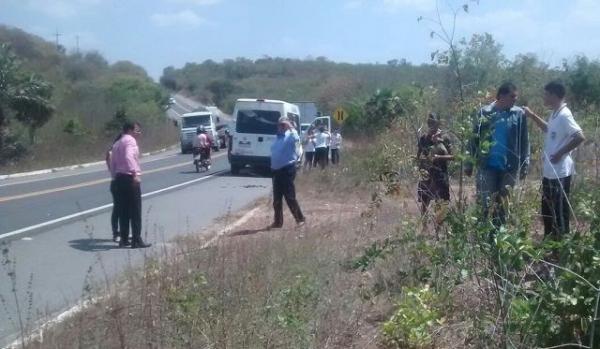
(124, 243)
(140, 244)
(116, 237)
(275, 226)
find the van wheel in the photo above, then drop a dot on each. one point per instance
(235, 169)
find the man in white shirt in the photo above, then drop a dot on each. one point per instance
(322, 147)
(336, 144)
(309, 149)
(562, 136)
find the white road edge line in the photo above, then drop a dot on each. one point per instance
(99, 208)
(39, 332)
(74, 167)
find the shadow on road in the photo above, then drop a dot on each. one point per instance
(247, 231)
(93, 245)
(249, 172)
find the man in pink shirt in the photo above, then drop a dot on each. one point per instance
(126, 168)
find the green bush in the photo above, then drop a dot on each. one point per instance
(414, 319)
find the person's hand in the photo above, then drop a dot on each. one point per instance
(555, 158)
(137, 179)
(528, 112)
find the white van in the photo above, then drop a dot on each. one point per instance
(256, 129)
(189, 123)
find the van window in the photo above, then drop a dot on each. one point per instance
(195, 121)
(257, 121)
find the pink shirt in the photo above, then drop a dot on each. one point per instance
(201, 141)
(125, 156)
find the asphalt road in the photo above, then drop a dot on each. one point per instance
(55, 228)
(53, 262)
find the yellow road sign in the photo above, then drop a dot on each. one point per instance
(340, 115)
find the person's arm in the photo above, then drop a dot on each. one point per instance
(576, 139)
(107, 159)
(131, 152)
(450, 155)
(541, 123)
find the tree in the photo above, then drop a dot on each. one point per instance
(31, 104)
(220, 90)
(27, 98)
(583, 79)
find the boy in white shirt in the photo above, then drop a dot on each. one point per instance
(336, 144)
(562, 136)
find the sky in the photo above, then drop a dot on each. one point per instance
(160, 33)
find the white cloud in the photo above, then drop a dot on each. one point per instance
(60, 8)
(183, 18)
(585, 12)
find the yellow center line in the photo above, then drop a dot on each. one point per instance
(87, 184)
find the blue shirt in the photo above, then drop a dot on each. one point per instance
(497, 159)
(283, 150)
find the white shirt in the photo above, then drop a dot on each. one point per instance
(336, 141)
(309, 144)
(561, 127)
(322, 140)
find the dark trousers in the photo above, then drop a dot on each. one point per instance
(335, 156)
(493, 194)
(321, 155)
(555, 206)
(283, 186)
(129, 201)
(114, 217)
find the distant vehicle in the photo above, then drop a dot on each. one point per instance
(256, 129)
(308, 111)
(221, 134)
(172, 101)
(322, 121)
(189, 123)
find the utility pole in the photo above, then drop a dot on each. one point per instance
(57, 35)
(77, 43)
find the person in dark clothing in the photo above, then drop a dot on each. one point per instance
(433, 153)
(284, 156)
(114, 217)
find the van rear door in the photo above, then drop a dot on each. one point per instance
(256, 128)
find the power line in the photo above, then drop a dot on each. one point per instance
(57, 35)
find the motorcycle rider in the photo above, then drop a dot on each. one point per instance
(202, 145)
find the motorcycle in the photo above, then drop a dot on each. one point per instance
(200, 161)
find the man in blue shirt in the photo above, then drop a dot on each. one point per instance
(283, 165)
(500, 148)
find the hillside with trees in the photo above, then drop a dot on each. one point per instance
(60, 108)
(326, 82)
